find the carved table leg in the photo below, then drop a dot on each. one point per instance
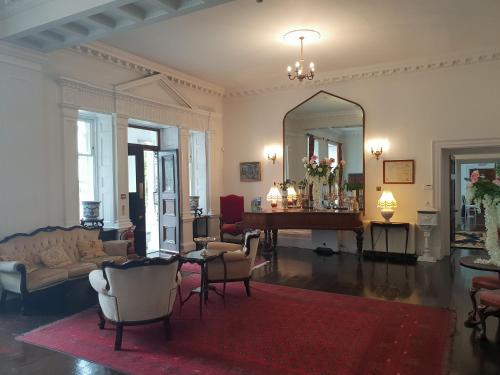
(275, 238)
(472, 319)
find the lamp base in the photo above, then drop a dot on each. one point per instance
(387, 214)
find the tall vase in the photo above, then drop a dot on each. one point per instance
(316, 193)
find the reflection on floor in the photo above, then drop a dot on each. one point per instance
(442, 284)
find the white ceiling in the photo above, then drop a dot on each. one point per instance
(238, 44)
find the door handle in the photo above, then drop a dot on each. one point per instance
(141, 190)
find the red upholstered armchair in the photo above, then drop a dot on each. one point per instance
(231, 213)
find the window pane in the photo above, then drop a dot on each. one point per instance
(332, 152)
(84, 137)
(86, 179)
(198, 167)
(143, 136)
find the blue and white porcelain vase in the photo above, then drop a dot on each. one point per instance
(90, 210)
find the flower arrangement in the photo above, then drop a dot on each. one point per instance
(317, 170)
(487, 193)
(283, 186)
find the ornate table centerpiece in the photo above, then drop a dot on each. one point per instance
(321, 172)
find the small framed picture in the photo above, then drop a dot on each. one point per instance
(250, 171)
(399, 171)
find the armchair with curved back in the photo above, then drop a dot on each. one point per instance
(137, 292)
(238, 261)
(231, 215)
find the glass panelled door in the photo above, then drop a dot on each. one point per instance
(169, 202)
(137, 196)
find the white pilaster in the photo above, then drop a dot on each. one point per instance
(186, 221)
(71, 190)
(214, 175)
(122, 216)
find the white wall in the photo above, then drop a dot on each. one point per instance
(409, 109)
(32, 153)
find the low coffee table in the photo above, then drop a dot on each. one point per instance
(203, 257)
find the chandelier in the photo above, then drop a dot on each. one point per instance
(299, 72)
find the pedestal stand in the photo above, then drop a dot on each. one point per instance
(426, 256)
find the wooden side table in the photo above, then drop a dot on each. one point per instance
(386, 227)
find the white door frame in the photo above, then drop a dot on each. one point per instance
(440, 163)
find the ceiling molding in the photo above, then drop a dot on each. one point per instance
(146, 67)
(375, 71)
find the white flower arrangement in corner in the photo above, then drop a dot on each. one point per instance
(486, 192)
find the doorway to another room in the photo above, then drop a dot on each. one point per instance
(153, 192)
(467, 221)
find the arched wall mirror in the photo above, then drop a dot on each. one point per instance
(327, 126)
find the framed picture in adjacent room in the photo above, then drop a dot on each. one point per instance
(250, 171)
(399, 171)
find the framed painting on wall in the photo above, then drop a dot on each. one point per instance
(399, 171)
(250, 171)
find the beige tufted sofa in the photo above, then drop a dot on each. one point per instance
(25, 247)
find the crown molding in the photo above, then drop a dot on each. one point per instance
(146, 67)
(375, 71)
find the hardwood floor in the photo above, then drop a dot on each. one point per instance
(443, 284)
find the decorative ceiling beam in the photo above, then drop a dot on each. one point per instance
(168, 5)
(132, 11)
(74, 28)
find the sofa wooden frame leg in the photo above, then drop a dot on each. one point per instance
(119, 336)
(3, 299)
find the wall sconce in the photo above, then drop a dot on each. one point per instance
(272, 157)
(377, 147)
(377, 152)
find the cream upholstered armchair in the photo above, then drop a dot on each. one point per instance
(136, 292)
(239, 260)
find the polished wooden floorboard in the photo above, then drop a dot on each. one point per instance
(443, 284)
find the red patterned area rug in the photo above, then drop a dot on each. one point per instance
(278, 330)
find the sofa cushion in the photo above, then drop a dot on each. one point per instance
(55, 256)
(99, 260)
(236, 269)
(45, 277)
(89, 249)
(80, 269)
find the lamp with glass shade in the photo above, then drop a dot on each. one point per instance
(387, 203)
(291, 196)
(274, 196)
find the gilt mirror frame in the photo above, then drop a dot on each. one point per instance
(363, 130)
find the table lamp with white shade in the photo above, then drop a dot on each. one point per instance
(291, 195)
(387, 203)
(273, 196)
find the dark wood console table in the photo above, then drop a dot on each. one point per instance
(271, 221)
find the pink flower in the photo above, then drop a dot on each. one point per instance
(332, 160)
(496, 181)
(474, 176)
(314, 157)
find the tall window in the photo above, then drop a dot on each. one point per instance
(86, 160)
(333, 152)
(198, 167)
